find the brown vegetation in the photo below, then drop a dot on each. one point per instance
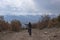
(16, 25)
(47, 22)
(13, 26)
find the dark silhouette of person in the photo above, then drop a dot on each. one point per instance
(29, 28)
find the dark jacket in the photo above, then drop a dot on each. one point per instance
(29, 25)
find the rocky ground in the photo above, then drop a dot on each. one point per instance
(45, 34)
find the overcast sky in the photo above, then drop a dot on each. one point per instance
(29, 7)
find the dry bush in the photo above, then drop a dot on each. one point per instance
(8, 26)
(44, 22)
(55, 22)
(52, 23)
(16, 25)
(4, 25)
(47, 22)
(58, 20)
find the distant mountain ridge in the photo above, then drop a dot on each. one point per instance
(25, 19)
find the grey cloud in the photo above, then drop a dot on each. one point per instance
(42, 6)
(48, 5)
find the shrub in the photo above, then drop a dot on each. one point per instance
(16, 25)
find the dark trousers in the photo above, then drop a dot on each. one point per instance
(29, 31)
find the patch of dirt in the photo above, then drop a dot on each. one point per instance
(45, 34)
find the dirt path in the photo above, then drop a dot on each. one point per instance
(36, 35)
(22, 35)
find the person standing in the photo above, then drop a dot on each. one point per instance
(29, 28)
